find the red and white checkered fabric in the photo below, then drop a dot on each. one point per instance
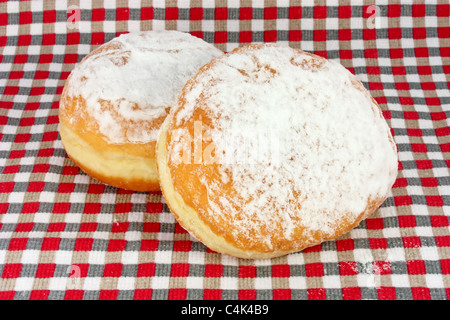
(64, 235)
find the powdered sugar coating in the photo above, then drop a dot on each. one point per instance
(135, 81)
(302, 143)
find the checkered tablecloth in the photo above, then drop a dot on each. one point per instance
(64, 235)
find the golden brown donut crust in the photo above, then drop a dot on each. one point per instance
(126, 159)
(188, 199)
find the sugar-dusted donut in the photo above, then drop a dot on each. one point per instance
(269, 150)
(116, 98)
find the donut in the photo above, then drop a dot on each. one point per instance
(269, 150)
(115, 100)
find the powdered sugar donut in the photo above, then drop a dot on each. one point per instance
(269, 150)
(116, 99)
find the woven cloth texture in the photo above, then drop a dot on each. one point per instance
(64, 235)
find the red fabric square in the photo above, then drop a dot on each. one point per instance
(396, 53)
(419, 147)
(401, 182)
(420, 293)
(411, 242)
(348, 54)
(122, 14)
(247, 272)
(281, 294)
(171, 13)
(439, 221)
(7, 295)
(108, 294)
(395, 33)
(48, 39)
(418, 10)
(247, 294)
(123, 207)
(50, 244)
(416, 267)
(295, 12)
(30, 207)
(345, 245)
(320, 12)
(6, 187)
(196, 13)
(429, 182)
(112, 270)
(221, 13)
(154, 207)
(49, 16)
(320, 35)
(24, 227)
(149, 245)
(3, 18)
(270, 13)
(348, 268)
(182, 245)
(179, 229)
(443, 241)
(220, 37)
(245, 37)
(74, 295)
(116, 245)
(378, 243)
(39, 294)
(11, 270)
(36, 186)
(421, 52)
(143, 294)
(25, 17)
(344, 12)
(344, 34)
(73, 38)
(445, 266)
(317, 294)
(434, 201)
(402, 86)
(177, 294)
(314, 269)
(394, 10)
(61, 207)
(17, 244)
(351, 293)
(98, 14)
(443, 10)
(213, 270)
(146, 269)
(212, 294)
(419, 33)
(45, 270)
(270, 35)
(246, 13)
(382, 267)
(414, 133)
(402, 200)
(411, 115)
(179, 270)
(56, 226)
(83, 244)
(24, 40)
(97, 37)
(443, 32)
(408, 221)
(16, 154)
(281, 270)
(424, 70)
(92, 207)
